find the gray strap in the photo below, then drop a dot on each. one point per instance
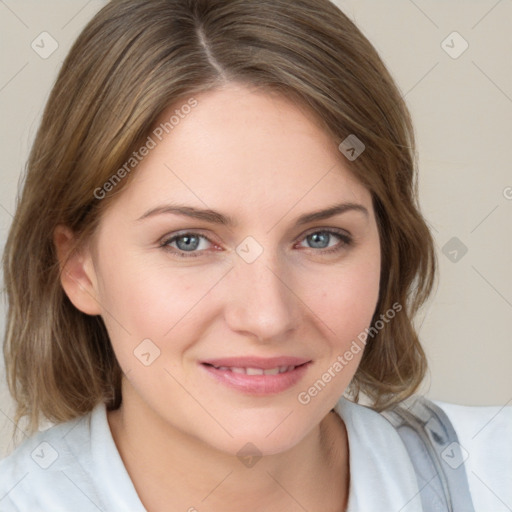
(435, 453)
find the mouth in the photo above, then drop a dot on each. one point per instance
(257, 376)
(256, 371)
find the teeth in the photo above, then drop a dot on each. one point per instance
(257, 371)
(254, 371)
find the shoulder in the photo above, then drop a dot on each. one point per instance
(45, 471)
(485, 437)
(469, 448)
(472, 448)
(71, 466)
(381, 473)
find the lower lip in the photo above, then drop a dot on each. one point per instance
(258, 384)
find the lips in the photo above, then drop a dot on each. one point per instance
(255, 375)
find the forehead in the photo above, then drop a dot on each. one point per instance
(248, 148)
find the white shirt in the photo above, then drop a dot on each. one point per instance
(75, 466)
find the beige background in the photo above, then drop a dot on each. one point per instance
(462, 108)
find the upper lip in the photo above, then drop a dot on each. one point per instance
(265, 363)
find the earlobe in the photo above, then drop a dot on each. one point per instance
(77, 275)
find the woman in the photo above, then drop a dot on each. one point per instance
(219, 237)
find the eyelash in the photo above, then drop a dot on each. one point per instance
(346, 240)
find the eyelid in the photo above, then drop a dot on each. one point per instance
(329, 229)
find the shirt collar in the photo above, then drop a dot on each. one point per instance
(382, 476)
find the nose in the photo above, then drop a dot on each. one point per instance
(261, 300)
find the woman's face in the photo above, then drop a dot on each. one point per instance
(214, 264)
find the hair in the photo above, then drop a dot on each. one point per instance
(133, 60)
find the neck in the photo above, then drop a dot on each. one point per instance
(171, 470)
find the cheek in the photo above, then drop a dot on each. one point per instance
(139, 298)
(345, 302)
(142, 300)
(353, 306)
(346, 298)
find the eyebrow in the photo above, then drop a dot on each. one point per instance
(218, 218)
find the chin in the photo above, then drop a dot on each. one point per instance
(256, 446)
(262, 438)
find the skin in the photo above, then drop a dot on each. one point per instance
(264, 161)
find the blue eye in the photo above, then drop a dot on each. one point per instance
(191, 245)
(321, 240)
(185, 243)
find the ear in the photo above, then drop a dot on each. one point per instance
(77, 273)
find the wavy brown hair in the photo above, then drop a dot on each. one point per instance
(133, 60)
